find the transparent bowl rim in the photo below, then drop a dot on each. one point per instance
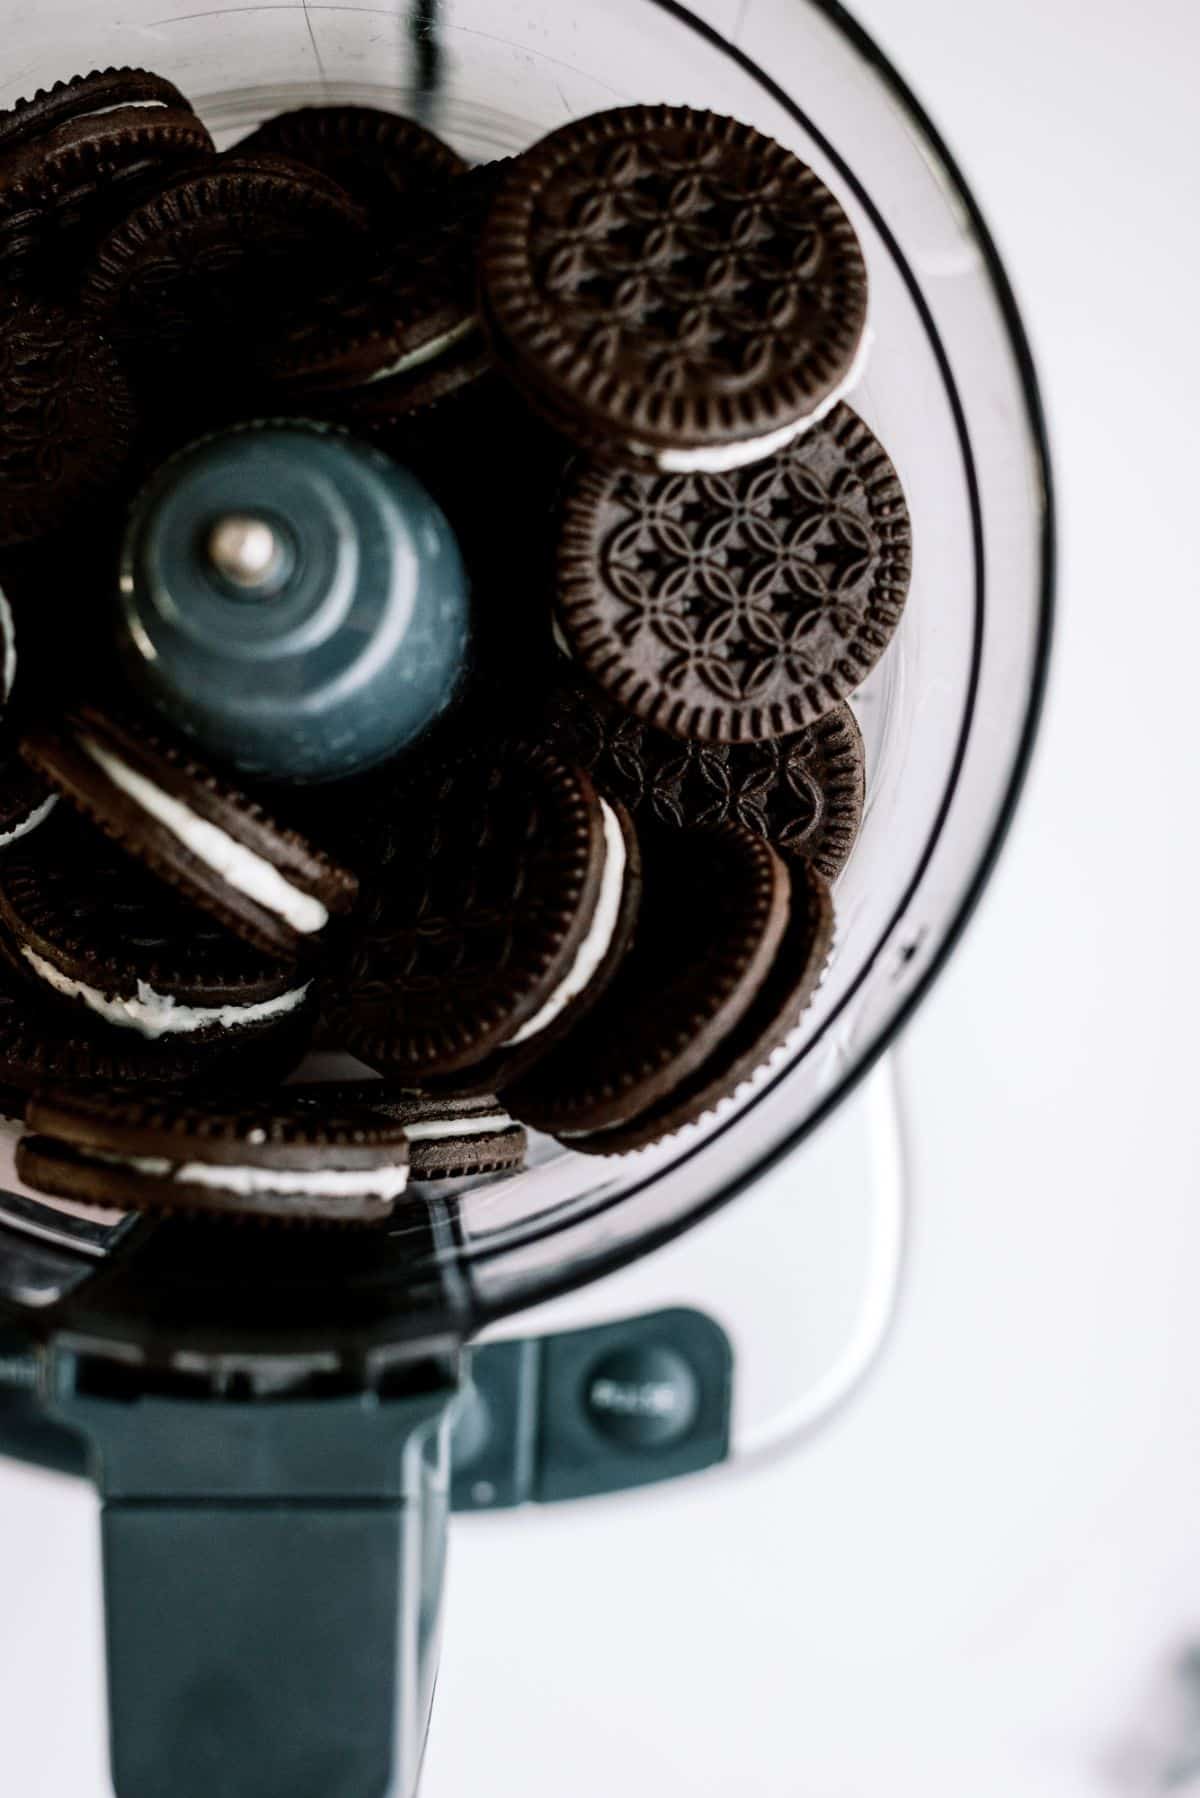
(576, 1272)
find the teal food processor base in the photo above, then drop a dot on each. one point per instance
(272, 1559)
(272, 1577)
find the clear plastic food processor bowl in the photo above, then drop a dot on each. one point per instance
(947, 717)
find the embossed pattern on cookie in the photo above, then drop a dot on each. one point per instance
(500, 903)
(387, 163)
(673, 283)
(740, 606)
(208, 262)
(803, 793)
(66, 418)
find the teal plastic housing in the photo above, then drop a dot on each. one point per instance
(345, 655)
(273, 1558)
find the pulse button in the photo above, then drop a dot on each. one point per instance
(645, 1396)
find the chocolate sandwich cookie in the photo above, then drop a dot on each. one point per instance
(290, 1158)
(451, 1138)
(714, 910)
(457, 1138)
(97, 94)
(190, 279)
(388, 164)
(46, 1043)
(737, 606)
(505, 895)
(673, 287)
(195, 831)
(804, 793)
(773, 1017)
(99, 934)
(381, 342)
(26, 798)
(73, 156)
(66, 419)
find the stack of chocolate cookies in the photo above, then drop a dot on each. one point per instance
(594, 898)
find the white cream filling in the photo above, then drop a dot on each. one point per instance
(125, 106)
(9, 673)
(249, 873)
(721, 458)
(35, 817)
(724, 458)
(326, 1182)
(597, 942)
(156, 1014)
(433, 1130)
(428, 352)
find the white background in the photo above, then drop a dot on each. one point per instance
(980, 1579)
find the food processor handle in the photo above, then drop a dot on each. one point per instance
(272, 1578)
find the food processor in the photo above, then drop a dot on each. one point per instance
(279, 1422)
